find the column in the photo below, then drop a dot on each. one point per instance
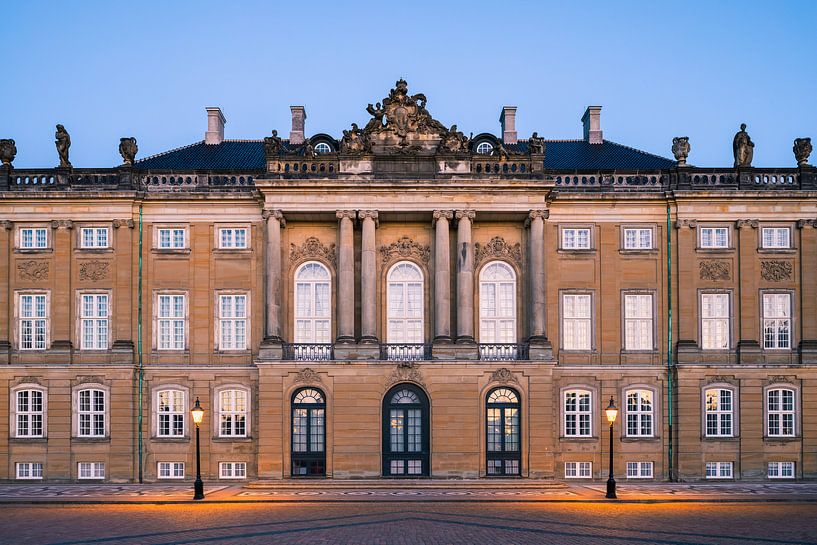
(465, 277)
(442, 277)
(61, 300)
(368, 276)
(346, 277)
(275, 221)
(537, 275)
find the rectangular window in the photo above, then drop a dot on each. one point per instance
(90, 470)
(719, 470)
(232, 470)
(576, 321)
(170, 410)
(233, 413)
(29, 470)
(30, 413)
(33, 238)
(639, 470)
(777, 321)
(776, 237)
(715, 321)
(94, 237)
(170, 470)
(638, 239)
(719, 412)
(714, 237)
(639, 413)
(780, 412)
(638, 322)
(91, 413)
(578, 470)
(33, 313)
(575, 238)
(172, 238)
(232, 322)
(232, 238)
(94, 310)
(171, 322)
(780, 470)
(577, 413)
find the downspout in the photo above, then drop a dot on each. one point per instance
(669, 341)
(139, 347)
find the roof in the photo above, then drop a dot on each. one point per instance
(242, 155)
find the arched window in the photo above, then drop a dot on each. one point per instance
(30, 413)
(404, 293)
(502, 438)
(485, 148)
(639, 413)
(780, 412)
(313, 305)
(719, 409)
(322, 148)
(497, 311)
(405, 432)
(308, 433)
(92, 413)
(170, 412)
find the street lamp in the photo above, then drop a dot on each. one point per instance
(612, 413)
(198, 415)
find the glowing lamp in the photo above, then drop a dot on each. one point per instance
(198, 413)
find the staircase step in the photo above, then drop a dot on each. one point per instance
(391, 484)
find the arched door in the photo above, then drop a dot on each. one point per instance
(308, 433)
(405, 432)
(502, 439)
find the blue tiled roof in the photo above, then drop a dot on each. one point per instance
(241, 155)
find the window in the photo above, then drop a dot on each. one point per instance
(577, 413)
(30, 413)
(312, 304)
(308, 433)
(172, 238)
(232, 408)
(497, 309)
(405, 432)
(777, 321)
(91, 410)
(33, 313)
(232, 238)
(719, 470)
(719, 408)
(578, 470)
(780, 470)
(639, 470)
(94, 312)
(93, 237)
(502, 432)
(405, 310)
(638, 322)
(232, 470)
(232, 322)
(638, 239)
(32, 238)
(170, 470)
(780, 412)
(639, 413)
(576, 322)
(171, 322)
(775, 237)
(575, 238)
(485, 148)
(91, 470)
(715, 321)
(29, 470)
(322, 148)
(170, 413)
(714, 237)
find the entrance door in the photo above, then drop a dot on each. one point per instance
(308, 433)
(405, 432)
(502, 433)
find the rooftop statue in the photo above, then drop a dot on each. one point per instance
(743, 148)
(308, 149)
(454, 141)
(128, 149)
(499, 150)
(802, 149)
(8, 151)
(273, 145)
(680, 149)
(536, 144)
(403, 116)
(63, 144)
(354, 141)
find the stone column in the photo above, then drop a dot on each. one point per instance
(275, 221)
(442, 277)
(368, 277)
(537, 275)
(748, 346)
(465, 277)
(346, 277)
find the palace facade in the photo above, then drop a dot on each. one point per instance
(408, 301)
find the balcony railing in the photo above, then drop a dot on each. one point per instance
(405, 352)
(308, 352)
(503, 351)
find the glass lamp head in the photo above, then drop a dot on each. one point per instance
(197, 412)
(612, 411)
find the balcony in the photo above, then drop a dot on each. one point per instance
(309, 352)
(503, 351)
(405, 352)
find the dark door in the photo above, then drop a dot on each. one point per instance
(308, 433)
(405, 432)
(502, 426)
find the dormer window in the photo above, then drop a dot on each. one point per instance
(322, 148)
(485, 148)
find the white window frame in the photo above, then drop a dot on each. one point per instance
(39, 238)
(776, 322)
(91, 470)
(230, 321)
(93, 413)
(574, 238)
(33, 471)
(571, 322)
(579, 415)
(485, 148)
(167, 238)
(312, 318)
(497, 320)
(232, 470)
(773, 241)
(776, 470)
(177, 407)
(639, 470)
(230, 394)
(710, 323)
(35, 319)
(322, 148)
(578, 470)
(639, 415)
(406, 326)
(780, 411)
(100, 340)
(636, 323)
(29, 413)
(170, 470)
(98, 237)
(708, 237)
(175, 323)
(719, 414)
(229, 239)
(719, 470)
(643, 238)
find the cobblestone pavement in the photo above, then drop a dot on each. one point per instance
(387, 523)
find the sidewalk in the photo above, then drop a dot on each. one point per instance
(388, 492)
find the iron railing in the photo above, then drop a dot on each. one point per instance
(405, 352)
(309, 352)
(503, 351)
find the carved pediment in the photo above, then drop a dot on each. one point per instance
(403, 248)
(504, 375)
(307, 374)
(405, 372)
(312, 248)
(497, 248)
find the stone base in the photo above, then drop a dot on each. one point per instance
(354, 351)
(808, 351)
(271, 349)
(122, 353)
(540, 350)
(367, 350)
(449, 351)
(5, 352)
(687, 352)
(61, 347)
(749, 352)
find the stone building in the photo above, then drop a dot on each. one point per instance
(408, 301)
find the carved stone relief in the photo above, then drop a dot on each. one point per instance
(497, 248)
(504, 376)
(721, 379)
(307, 374)
(777, 379)
(692, 224)
(94, 271)
(715, 269)
(33, 269)
(405, 247)
(312, 248)
(123, 223)
(405, 372)
(774, 270)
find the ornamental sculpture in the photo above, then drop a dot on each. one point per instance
(714, 270)
(273, 145)
(33, 269)
(497, 248)
(743, 148)
(94, 271)
(354, 141)
(8, 151)
(774, 270)
(802, 149)
(307, 374)
(536, 144)
(128, 149)
(405, 372)
(312, 248)
(504, 376)
(454, 141)
(405, 247)
(63, 143)
(680, 149)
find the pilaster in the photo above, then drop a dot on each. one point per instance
(748, 347)
(808, 291)
(6, 310)
(61, 300)
(272, 345)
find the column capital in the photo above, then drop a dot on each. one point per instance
(692, 224)
(6, 224)
(465, 214)
(62, 224)
(740, 224)
(341, 214)
(801, 224)
(123, 223)
(371, 214)
(442, 214)
(544, 214)
(275, 214)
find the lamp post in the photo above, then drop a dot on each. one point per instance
(198, 415)
(612, 413)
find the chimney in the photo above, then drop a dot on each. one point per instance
(508, 120)
(592, 125)
(296, 134)
(215, 126)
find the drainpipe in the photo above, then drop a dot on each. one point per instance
(669, 339)
(139, 347)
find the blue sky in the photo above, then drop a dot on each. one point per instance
(659, 69)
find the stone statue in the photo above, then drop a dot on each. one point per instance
(743, 148)
(8, 151)
(308, 149)
(375, 124)
(273, 144)
(499, 150)
(536, 144)
(453, 141)
(63, 144)
(802, 149)
(353, 141)
(128, 149)
(680, 149)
